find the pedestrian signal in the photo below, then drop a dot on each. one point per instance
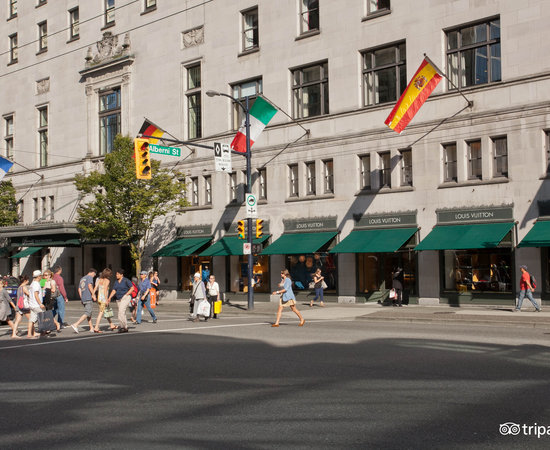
(143, 160)
(240, 229)
(259, 228)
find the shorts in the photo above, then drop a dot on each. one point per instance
(290, 302)
(34, 314)
(88, 306)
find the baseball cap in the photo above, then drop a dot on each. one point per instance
(36, 273)
(523, 267)
(143, 272)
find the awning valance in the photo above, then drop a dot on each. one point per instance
(182, 247)
(296, 243)
(375, 240)
(538, 236)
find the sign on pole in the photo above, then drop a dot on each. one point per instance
(246, 248)
(162, 150)
(251, 206)
(222, 157)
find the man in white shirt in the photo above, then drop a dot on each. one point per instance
(35, 298)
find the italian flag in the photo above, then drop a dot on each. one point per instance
(260, 115)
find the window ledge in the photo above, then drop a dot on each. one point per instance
(197, 207)
(109, 25)
(307, 34)
(74, 38)
(376, 14)
(451, 184)
(308, 198)
(148, 10)
(39, 52)
(249, 51)
(11, 17)
(262, 201)
(41, 4)
(234, 204)
(11, 63)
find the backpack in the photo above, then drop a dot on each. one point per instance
(134, 292)
(533, 281)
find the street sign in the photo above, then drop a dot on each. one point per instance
(222, 157)
(162, 150)
(246, 248)
(251, 206)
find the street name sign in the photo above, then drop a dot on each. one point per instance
(162, 150)
(251, 206)
(222, 157)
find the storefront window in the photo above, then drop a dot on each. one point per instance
(192, 264)
(260, 274)
(302, 267)
(481, 270)
(375, 271)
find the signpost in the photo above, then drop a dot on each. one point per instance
(246, 248)
(162, 150)
(251, 207)
(222, 157)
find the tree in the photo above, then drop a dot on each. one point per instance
(8, 205)
(122, 208)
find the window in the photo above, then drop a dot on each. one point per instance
(310, 178)
(250, 39)
(547, 142)
(262, 179)
(109, 119)
(249, 89)
(194, 191)
(43, 135)
(21, 211)
(52, 207)
(42, 2)
(208, 190)
(384, 74)
(36, 211)
(12, 9)
(328, 176)
(150, 4)
(74, 24)
(473, 54)
(42, 37)
(474, 160)
(385, 169)
(449, 162)
(377, 6)
(8, 136)
(310, 91)
(364, 170)
(500, 151)
(309, 15)
(193, 94)
(406, 167)
(43, 208)
(109, 12)
(13, 48)
(233, 187)
(293, 180)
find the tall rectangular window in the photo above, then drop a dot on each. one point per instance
(328, 176)
(52, 207)
(309, 15)
(385, 169)
(250, 89)
(473, 54)
(547, 143)
(43, 135)
(233, 187)
(109, 12)
(406, 167)
(150, 4)
(310, 178)
(293, 180)
(13, 48)
(262, 180)
(44, 207)
(193, 94)
(8, 136)
(194, 191)
(310, 91)
(35, 209)
(384, 74)
(74, 24)
(364, 175)
(251, 37)
(109, 119)
(42, 36)
(500, 158)
(474, 160)
(208, 189)
(41, 2)
(449, 162)
(377, 6)
(21, 211)
(12, 9)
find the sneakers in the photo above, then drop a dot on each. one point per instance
(74, 329)
(154, 320)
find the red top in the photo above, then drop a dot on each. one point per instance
(59, 281)
(525, 278)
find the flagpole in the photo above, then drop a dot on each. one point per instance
(443, 74)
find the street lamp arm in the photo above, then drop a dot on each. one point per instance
(216, 93)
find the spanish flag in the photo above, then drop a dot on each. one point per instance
(150, 129)
(419, 89)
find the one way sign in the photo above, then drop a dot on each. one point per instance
(222, 157)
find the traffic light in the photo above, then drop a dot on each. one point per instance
(143, 161)
(240, 229)
(259, 228)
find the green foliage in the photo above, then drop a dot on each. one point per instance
(118, 207)
(8, 205)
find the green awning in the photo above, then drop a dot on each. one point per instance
(375, 241)
(182, 247)
(462, 237)
(230, 245)
(538, 236)
(26, 252)
(296, 243)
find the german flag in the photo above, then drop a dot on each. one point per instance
(150, 129)
(419, 89)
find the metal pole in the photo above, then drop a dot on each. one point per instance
(249, 220)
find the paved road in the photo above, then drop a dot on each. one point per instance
(238, 383)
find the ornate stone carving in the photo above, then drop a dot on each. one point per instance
(43, 86)
(193, 37)
(108, 49)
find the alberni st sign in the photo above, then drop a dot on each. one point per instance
(162, 150)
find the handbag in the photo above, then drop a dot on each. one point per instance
(393, 294)
(108, 312)
(21, 303)
(324, 285)
(204, 308)
(45, 322)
